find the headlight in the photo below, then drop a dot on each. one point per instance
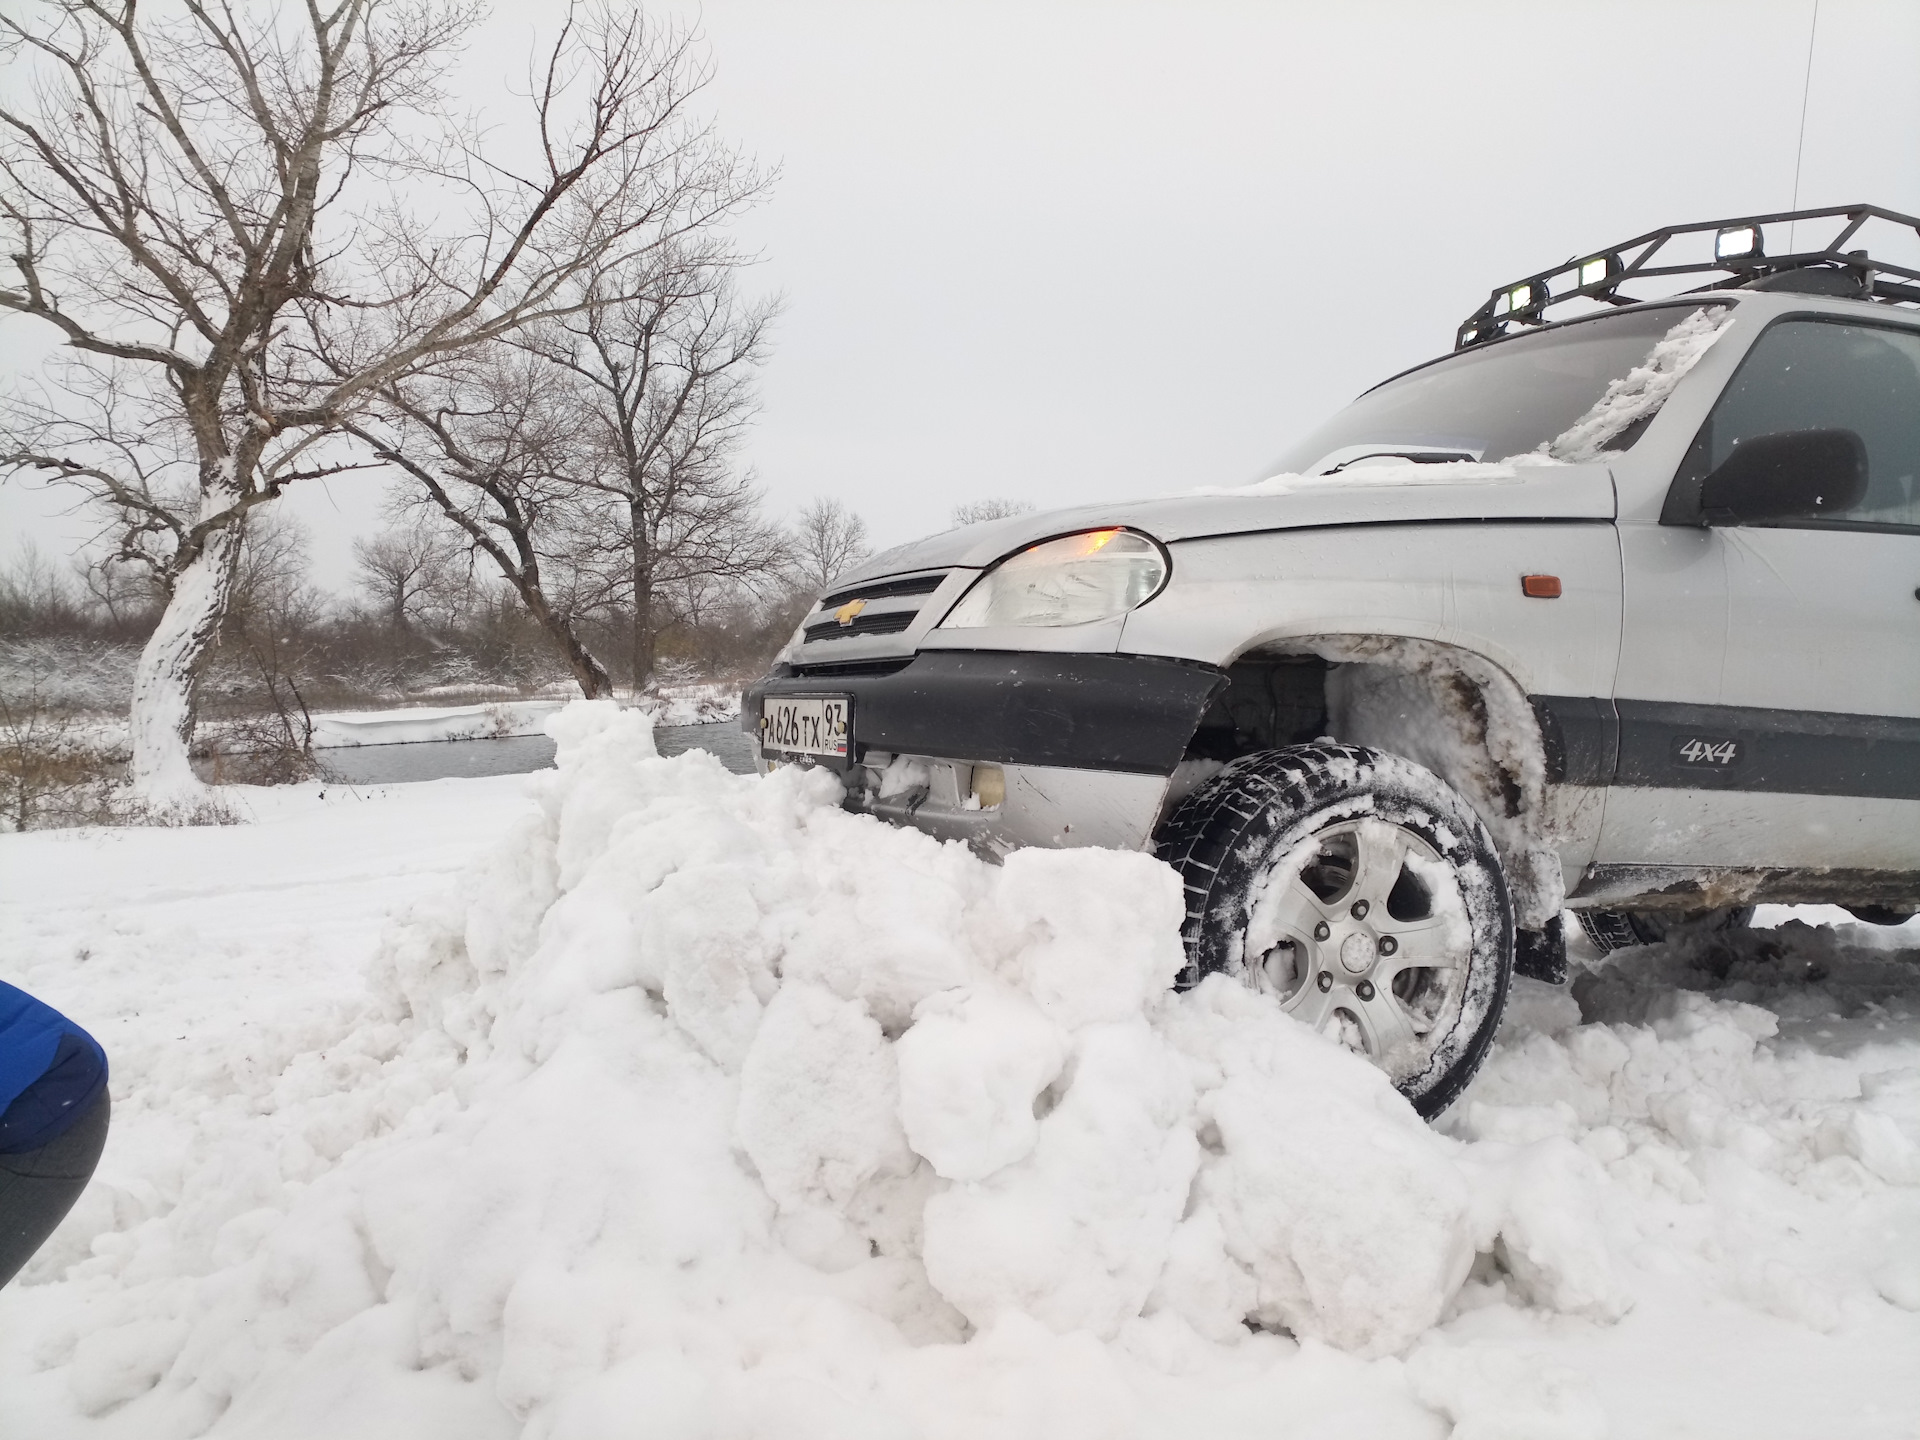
(1074, 580)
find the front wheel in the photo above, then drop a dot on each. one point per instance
(1363, 893)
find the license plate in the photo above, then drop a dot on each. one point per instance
(817, 725)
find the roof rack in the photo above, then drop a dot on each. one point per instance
(1739, 256)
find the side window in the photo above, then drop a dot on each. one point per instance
(1821, 375)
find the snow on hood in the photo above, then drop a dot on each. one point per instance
(1526, 487)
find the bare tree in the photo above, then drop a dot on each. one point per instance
(405, 566)
(485, 439)
(267, 636)
(664, 367)
(826, 538)
(245, 220)
(972, 512)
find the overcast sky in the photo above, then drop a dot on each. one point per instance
(1063, 252)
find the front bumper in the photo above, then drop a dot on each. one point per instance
(1085, 744)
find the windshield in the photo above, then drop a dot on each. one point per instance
(1491, 403)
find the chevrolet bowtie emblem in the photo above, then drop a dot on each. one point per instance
(847, 611)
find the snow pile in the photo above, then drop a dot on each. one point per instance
(1664, 1074)
(1637, 396)
(710, 1109)
(716, 1097)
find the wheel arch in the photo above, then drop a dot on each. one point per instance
(1453, 710)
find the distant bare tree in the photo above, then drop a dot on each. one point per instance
(972, 512)
(271, 617)
(826, 538)
(485, 439)
(403, 567)
(126, 594)
(247, 219)
(663, 368)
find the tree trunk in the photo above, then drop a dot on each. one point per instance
(165, 681)
(588, 672)
(643, 637)
(521, 570)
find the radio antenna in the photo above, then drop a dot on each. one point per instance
(1800, 145)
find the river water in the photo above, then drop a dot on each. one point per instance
(515, 755)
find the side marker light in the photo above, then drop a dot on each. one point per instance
(1540, 587)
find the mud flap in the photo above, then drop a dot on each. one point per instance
(1542, 954)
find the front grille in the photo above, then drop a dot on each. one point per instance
(891, 623)
(912, 585)
(882, 607)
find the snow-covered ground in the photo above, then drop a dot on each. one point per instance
(637, 1098)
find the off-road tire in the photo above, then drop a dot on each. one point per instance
(1238, 829)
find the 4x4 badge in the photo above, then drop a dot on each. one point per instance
(1695, 750)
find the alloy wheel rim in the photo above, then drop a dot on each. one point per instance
(1361, 932)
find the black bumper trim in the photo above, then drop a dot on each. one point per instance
(1081, 712)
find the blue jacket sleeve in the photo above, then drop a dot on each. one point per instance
(50, 1072)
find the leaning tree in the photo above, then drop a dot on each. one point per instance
(490, 439)
(245, 219)
(661, 362)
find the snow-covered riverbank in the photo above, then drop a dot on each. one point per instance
(638, 1098)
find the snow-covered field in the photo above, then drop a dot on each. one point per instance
(640, 1099)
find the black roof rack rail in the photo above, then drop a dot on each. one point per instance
(1739, 257)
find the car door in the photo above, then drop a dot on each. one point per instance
(1769, 680)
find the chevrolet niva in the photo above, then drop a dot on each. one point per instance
(1615, 612)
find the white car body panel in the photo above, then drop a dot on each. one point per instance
(1801, 622)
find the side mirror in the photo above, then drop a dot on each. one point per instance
(1798, 475)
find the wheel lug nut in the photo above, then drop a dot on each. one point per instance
(1364, 989)
(1322, 930)
(1359, 909)
(1388, 944)
(1325, 980)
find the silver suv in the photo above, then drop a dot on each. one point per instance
(1617, 613)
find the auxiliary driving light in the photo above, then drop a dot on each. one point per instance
(1737, 242)
(1517, 300)
(1598, 270)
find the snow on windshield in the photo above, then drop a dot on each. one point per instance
(1637, 396)
(1501, 400)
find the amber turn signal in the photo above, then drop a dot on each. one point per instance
(1541, 587)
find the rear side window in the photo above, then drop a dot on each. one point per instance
(1826, 375)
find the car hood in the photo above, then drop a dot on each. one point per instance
(1527, 489)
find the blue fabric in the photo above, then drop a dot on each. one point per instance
(50, 1072)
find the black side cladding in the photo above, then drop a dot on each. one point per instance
(1085, 712)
